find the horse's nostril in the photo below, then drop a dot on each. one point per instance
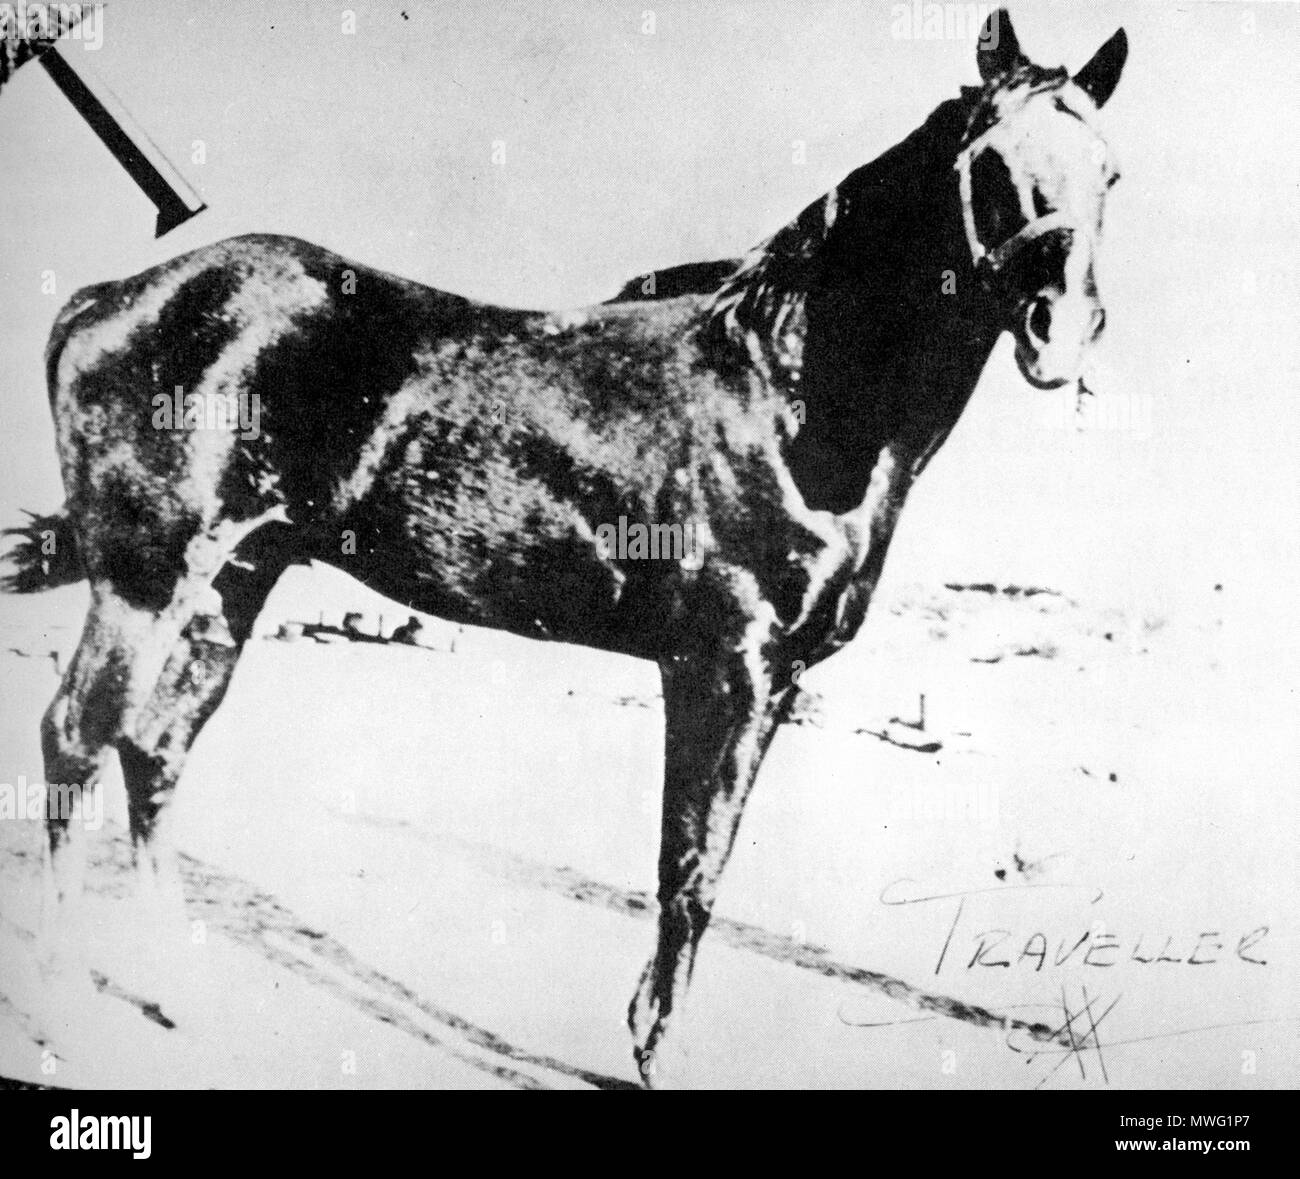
(1098, 322)
(1039, 320)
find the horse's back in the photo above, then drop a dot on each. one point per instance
(248, 291)
(311, 339)
(478, 446)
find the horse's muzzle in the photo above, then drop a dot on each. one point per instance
(1052, 334)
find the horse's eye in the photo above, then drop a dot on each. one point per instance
(1113, 180)
(997, 200)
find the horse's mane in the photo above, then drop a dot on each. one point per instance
(760, 307)
(691, 278)
(760, 311)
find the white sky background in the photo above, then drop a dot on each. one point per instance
(625, 152)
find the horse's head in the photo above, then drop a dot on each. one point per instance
(1033, 175)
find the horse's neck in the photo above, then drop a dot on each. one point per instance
(897, 328)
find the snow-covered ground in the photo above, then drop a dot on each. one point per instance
(426, 867)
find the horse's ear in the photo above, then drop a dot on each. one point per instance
(1100, 76)
(998, 51)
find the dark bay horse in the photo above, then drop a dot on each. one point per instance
(467, 459)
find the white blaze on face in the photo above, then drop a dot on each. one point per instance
(1059, 166)
(1060, 357)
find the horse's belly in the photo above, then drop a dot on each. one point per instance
(534, 573)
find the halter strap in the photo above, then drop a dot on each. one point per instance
(990, 261)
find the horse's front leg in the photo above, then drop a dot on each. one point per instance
(720, 719)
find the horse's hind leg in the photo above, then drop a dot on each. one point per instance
(155, 745)
(720, 719)
(77, 734)
(142, 682)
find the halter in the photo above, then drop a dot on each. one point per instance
(988, 263)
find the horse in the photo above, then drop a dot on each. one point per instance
(471, 460)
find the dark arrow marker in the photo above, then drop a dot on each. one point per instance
(175, 200)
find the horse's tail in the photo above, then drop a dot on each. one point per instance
(44, 556)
